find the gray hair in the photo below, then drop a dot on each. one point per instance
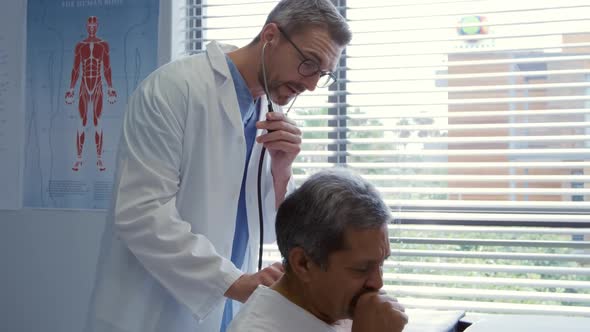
(294, 16)
(316, 215)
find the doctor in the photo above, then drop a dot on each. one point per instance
(183, 233)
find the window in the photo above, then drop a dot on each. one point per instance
(473, 119)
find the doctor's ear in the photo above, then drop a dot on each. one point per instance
(270, 33)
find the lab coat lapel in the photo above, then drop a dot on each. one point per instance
(228, 99)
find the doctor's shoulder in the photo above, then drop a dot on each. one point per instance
(178, 82)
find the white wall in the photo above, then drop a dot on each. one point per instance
(48, 257)
(48, 262)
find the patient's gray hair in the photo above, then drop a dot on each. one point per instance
(316, 215)
(294, 16)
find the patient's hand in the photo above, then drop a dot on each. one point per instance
(377, 312)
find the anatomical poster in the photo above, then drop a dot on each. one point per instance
(84, 59)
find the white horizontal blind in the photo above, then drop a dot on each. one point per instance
(473, 120)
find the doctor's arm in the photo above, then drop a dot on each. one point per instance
(145, 212)
(283, 142)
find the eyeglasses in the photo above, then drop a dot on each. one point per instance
(309, 67)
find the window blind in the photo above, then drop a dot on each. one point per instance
(473, 120)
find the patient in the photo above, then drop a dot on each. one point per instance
(332, 234)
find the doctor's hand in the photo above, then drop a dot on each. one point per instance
(242, 288)
(377, 312)
(283, 142)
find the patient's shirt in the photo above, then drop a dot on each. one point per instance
(268, 311)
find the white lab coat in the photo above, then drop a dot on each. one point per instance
(180, 166)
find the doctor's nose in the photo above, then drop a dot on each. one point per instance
(310, 83)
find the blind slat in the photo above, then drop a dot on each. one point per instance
(450, 140)
(450, 165)
(491, 255)
(424, 291)
(476, 281)
(438, 114)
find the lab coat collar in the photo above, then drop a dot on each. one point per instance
(227, 92)
(216, 53)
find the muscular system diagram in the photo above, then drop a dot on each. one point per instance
(91, 57)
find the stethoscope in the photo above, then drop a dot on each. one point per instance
(260, 162)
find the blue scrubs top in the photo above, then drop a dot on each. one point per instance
(249, 111)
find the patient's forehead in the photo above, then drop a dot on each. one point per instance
(368, 244)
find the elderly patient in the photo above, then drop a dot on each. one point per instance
(332, 234)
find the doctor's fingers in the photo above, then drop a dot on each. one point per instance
(282, 146)
(269, 275)
(278, 116)
(279, 136)
(286, 125)
(279, 266)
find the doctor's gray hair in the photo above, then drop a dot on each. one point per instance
(294, 16)
(316, 215)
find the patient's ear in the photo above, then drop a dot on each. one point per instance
(301, 265)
